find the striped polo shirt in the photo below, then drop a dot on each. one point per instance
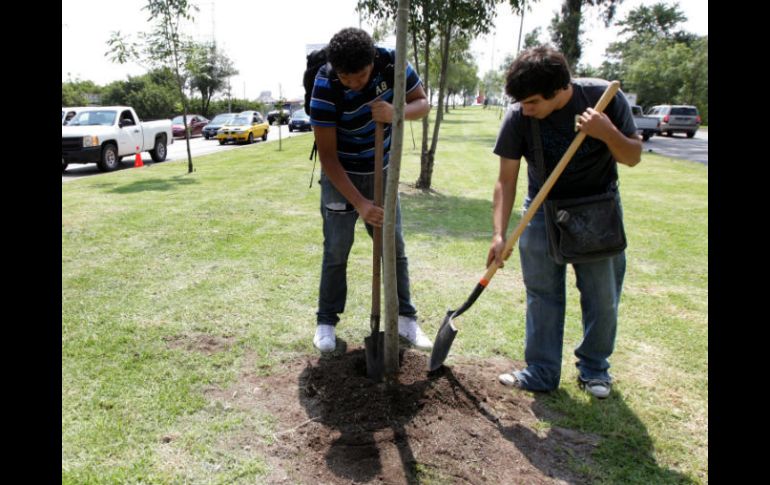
(353, 117)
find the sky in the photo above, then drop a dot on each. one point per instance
(267, 39)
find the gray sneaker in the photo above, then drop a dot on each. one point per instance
(412, 335)
(324, 339)
(595, 387)
(509, 379)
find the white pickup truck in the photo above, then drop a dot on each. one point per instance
(645, 125)
(105, 134)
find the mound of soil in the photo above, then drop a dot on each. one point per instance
(457, 425)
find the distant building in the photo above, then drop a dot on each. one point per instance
(266, 97)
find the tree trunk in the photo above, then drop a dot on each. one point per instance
(391, 194)
(427, 159)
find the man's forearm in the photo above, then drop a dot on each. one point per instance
(626, 150)
(416, 109)
(502, 205)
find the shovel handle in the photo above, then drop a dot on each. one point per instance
(609, 93)
(379, 136)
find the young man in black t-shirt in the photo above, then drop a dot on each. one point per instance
(539, 79)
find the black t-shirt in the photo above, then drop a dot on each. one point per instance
(592, 168)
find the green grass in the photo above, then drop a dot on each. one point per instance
(233, 251)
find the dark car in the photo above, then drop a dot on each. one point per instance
(195, 124)
(279, 115)
(210, 130)
(299, 121)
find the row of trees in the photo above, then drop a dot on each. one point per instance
(152, 95)
(655, 60)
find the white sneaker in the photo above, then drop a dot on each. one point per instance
(413, 334)
(324, 339)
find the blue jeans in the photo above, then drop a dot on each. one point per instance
(339, 221)
(599, 282)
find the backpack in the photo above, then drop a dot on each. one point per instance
(315, 60)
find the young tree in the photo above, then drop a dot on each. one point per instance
(164, 45)
(210, 70)
(428, 20)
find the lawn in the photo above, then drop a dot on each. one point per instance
(172, 282)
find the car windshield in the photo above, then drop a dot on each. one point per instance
(684, 111)
(300, 115)
(222, 119)
(239, 120)
(91, 118)
(178, 120)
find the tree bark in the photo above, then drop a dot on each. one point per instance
(391, 195)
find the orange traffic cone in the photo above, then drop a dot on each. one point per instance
(138, 160)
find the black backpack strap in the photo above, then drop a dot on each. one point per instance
(387, 65)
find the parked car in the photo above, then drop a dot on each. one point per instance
(299, 121)
(645, 125)
(68, 113)
(279, 116)
(103, 135)
(210, 130)
(676, 118)
(195, 124)
(244, 127)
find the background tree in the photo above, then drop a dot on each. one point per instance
(76, 92)
(163, 46)
(659, 61)
(428, 20)
(210, 70)
(152, 95)
(565, 27)
(532, 38)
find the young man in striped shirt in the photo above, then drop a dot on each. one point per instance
(352, 92)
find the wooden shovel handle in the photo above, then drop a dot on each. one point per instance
(377, 236)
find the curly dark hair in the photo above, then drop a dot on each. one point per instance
(350, 50)
(540, 70)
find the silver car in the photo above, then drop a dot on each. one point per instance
(676, 118)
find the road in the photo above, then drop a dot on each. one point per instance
(679, 146)
(199, 146)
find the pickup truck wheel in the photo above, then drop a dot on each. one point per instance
(669, 133)
(158, 153)
(264, 136)
(690, 134)
(645, 136)
(110, 159)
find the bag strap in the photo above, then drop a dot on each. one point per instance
(537, 149)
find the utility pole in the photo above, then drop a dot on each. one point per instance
(521, 29)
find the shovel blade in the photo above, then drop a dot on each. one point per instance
(374, 348)
(443, 342)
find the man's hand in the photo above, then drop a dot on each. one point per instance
(382, 111)
(370, 213)
(496, 252)
(595, 124)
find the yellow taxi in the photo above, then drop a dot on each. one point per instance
(245, 126)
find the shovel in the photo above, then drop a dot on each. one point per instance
(448, 330)
(374, 345)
